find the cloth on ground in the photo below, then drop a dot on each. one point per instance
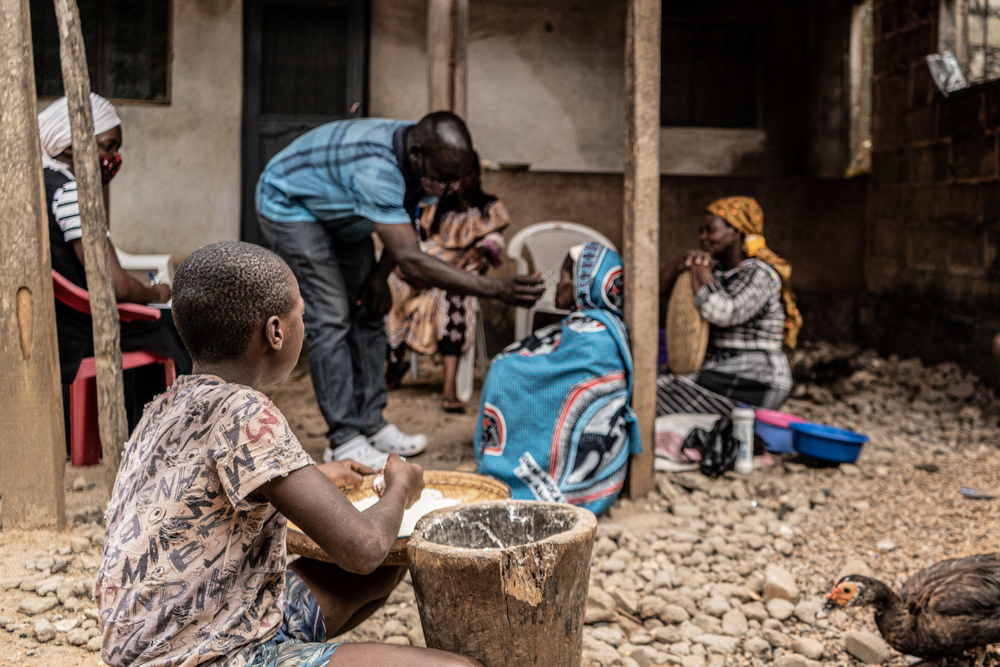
(555, 421)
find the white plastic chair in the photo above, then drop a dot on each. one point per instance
(156, 263)
(547, 244)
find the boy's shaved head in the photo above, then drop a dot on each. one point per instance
(224, 292)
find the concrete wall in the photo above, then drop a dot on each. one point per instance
(179, 187)
(934, 204)
(546, 82)
(816, 224)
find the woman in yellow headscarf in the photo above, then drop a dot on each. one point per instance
(742, 289)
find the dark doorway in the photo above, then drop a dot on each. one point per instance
(305, 66)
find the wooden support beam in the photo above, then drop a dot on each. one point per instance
(32, 437)
(448, 55)
(641, 227)
(94, 221)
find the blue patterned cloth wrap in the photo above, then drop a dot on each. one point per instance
(555, 421)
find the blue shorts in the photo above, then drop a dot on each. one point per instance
(301, 640)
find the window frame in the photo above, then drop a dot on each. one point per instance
(953, 35)
(118, 101)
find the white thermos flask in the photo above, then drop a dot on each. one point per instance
(743, 432)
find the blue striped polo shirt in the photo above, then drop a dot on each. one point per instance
(339, 172)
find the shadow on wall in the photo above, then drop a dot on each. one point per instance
(817, 224)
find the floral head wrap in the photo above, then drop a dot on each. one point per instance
(746, 216)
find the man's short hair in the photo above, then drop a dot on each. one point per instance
(222, 295)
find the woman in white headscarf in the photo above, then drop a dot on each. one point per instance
(74, 328)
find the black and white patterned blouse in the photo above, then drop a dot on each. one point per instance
(744, 307)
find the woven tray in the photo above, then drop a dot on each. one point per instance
(466, 487)
(687, 330)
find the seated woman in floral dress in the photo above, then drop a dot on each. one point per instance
(463, 228)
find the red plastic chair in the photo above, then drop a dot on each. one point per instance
(84, 434)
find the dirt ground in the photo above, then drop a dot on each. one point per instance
(899, 510)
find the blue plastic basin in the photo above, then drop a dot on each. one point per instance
(827, 443)
(772, 428)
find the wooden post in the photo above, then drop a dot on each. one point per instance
(32, 438)
(447, 55)
(93, 218)
(641, 227)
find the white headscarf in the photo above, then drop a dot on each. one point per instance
(53, 123)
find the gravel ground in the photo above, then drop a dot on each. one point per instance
(703, 573)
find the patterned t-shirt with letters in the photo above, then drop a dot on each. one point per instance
(194, 557)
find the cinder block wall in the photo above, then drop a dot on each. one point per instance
(933, 286)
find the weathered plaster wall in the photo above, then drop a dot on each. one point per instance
(546, 84)
(179, 187)
(932, 272)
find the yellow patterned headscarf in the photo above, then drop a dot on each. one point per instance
(746, 216)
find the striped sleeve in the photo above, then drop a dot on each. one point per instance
(66, 209)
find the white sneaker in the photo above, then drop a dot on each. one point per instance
(357, 449)
(393, 441)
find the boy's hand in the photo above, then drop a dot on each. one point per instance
(397, 471)
(345, 473)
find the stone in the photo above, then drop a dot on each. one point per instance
(29, 584)
(72, 603)
(45, 563)
(651, 606)
(8, 584)
(79, 545)
(50, 585)
(668, 634)
(399, 640)
(695, 660)
(95, 644)
(80, 483)
(686, 510)
(643, 656)
(595, 651)
(784, 547)
(93, 632)
(806, 610)
(808, 647)
(708, 624)
(605, 547)
(640, 638)
(867, 647)
(757, 646)
(779, 584)
(88, 563)
(600, 606)
(715, 606)
(776, 638)
(626, 599)
(61, 565)
(416, 636)
(77, 637)
(755, 611)
(734, 623)
(718, 643)
(780, 609)
(65, 591)
(33, 605)
(65, 625)
(795, 660)
(885, 545)
(91, 614)
(44, 632)
(854, 566)
(609, 635)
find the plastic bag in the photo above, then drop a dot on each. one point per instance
(718, 447)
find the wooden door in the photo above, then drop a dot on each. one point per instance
(304, 66)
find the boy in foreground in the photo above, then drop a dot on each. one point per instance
(194, 566)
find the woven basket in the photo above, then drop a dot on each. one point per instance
(466, 487)
(687, 330)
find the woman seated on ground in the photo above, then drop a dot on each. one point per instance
(462, 229)
(74, 329)
(742, 289)
(555, 422)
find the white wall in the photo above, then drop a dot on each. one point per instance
(179, 187)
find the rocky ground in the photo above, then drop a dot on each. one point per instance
(703, 573)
